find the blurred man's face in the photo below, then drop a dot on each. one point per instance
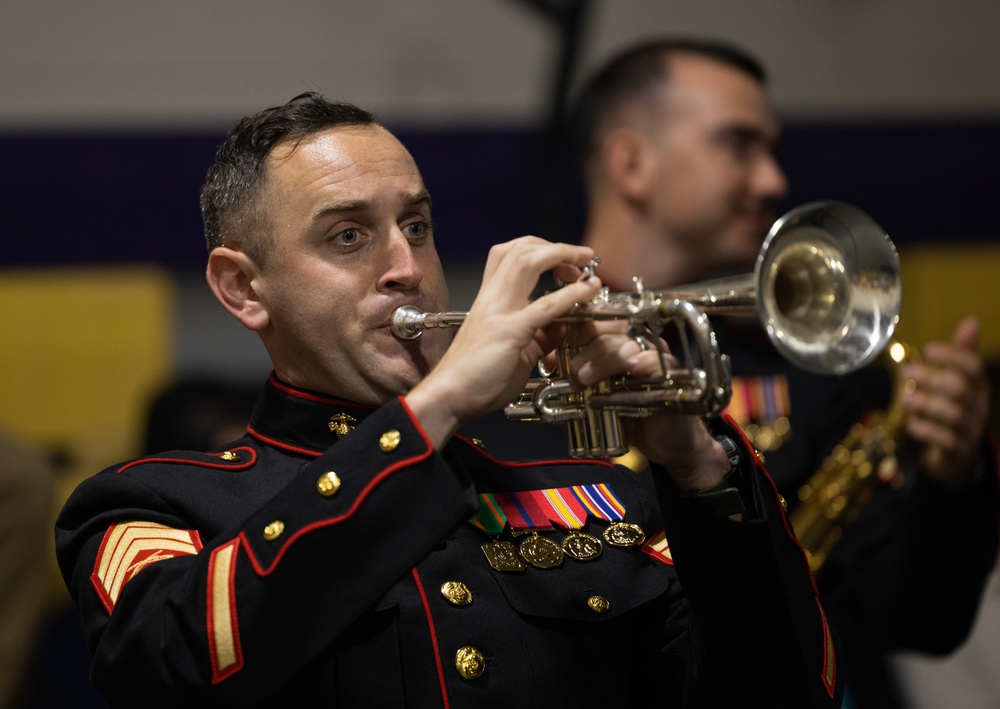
(352, 242)
(718, 180)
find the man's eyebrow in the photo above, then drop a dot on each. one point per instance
(748, 131)
(361, 205)
(418, 198)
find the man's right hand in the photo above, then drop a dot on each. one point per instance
(504, 334)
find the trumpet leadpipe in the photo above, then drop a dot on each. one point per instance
(407, 321)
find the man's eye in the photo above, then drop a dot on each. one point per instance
(415, 229)
(349, 236)
(738, 146)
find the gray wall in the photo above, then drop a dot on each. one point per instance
(143, 63)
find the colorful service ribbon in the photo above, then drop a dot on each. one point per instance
(566, 507)
(759, 399)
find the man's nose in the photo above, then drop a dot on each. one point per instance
(403, 269)
(770, 181)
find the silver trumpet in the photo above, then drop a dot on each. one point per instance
(826, 287)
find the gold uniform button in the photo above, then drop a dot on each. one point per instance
(469, 662)
(229, 456)
(274, 530)
(389, 441)
(328, 484)
(599, 604)
(456, 593)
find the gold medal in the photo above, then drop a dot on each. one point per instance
(541, 552)
(582, 546)
(502, 556)
(624, 534)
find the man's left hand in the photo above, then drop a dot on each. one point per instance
(949, 406)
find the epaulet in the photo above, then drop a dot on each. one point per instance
(239, 458)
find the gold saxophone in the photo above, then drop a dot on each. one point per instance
(835, 495)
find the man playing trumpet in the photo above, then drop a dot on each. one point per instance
(350, 550)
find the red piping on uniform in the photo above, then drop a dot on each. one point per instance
(829, 682)
(284, 446)
(199, 463)
(415, 421)
(433, 634)
(791, 535)
(261, 571)
(533, 463)
(309, 396)
(777, 495)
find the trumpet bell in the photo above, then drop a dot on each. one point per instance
(829, 288)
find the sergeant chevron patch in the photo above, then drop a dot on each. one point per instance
(129, 547)
(658, 548)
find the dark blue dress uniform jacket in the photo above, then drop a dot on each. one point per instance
(909, 573)
(251, 577)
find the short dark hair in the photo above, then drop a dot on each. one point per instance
(635, 70)
(230, 206)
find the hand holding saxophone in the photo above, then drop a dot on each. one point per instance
(948, 405)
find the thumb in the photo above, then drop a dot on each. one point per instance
(967, 334)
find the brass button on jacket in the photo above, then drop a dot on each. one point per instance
(456, 593)
(328, 484)
(599, 604)
(389, 441)
(470, 662)
(274, 530)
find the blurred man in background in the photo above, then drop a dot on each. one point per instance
(677, 140)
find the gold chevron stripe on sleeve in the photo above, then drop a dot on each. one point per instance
(129, 547)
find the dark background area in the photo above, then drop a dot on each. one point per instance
(85, 199)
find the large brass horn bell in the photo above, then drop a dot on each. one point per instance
(828, 287)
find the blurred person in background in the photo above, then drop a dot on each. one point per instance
(968, 677)
(26, 550)
(676, 138)
(198, 413)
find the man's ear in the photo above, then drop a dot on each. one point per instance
(629, 162)
(230, 275)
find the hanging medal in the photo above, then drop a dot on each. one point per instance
(500, 554)
(503, 556)
(526, 516)
(565, 510)
(541, 552)
(601, 501)
(582, 546)
(624, 535)
(528, 512)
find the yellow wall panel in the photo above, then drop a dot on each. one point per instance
(81, 350)
(942, 284)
